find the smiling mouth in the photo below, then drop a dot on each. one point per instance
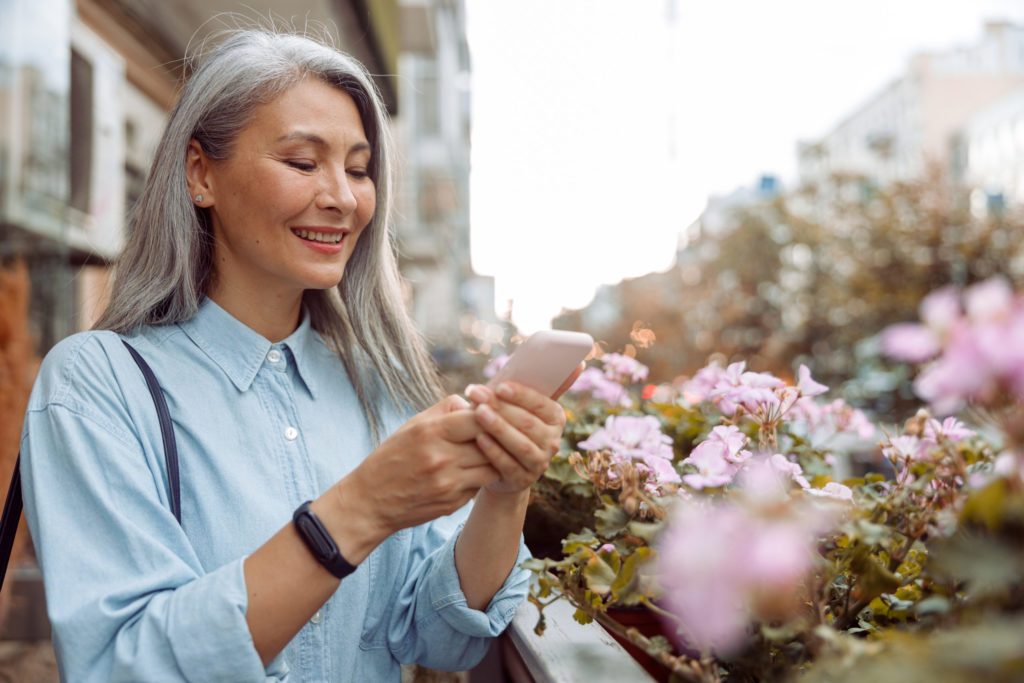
(322, 237)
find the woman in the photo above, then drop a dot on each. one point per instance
(259, 283)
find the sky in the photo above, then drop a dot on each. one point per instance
(600, 127)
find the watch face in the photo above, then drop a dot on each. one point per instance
(319, 543)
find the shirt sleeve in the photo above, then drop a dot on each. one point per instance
(431, 623)
(127, 598)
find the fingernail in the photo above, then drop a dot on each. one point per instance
(476, 393)
(503, 390)
(486, 414)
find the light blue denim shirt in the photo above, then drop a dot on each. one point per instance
(260, 428)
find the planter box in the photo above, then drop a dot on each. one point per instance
(568, 650)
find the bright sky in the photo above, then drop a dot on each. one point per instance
(600, 127)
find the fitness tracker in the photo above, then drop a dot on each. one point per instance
(319, 542)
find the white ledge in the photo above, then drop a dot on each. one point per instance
(570, 651)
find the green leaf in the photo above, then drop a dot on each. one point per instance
(599, 574)
(648, 531)
(611, 521)
(625, 588)
(582, 617)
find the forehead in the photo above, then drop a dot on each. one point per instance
(313, 107)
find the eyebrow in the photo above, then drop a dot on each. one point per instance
(319, 141)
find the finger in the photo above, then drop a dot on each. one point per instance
(511, 470)
(525, 450)
(458, 427)
(533, 401)
(538, 431)
(568, 381)
(454, 403)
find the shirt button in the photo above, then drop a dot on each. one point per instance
(274, 356)
(291, 433)
(316, 618)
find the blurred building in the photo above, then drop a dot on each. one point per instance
(988, 154)
(433, 130)
(85, 86)
(919, 119)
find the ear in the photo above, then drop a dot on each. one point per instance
(197, 174)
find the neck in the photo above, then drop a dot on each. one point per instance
(273, 317)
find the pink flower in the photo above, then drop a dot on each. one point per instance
(940, 309)
(989, 300)
(906, 447)
(623, 369)
(636, 439)
(711, 458)
(980, 349)
(734, 440)
(497, 363)
(910, 342)
(722, 566)
(698, 388)
(595, 382)
(833, 490)
(950, 428)
(807, 386)
(791, 470)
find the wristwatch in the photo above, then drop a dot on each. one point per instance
(319, 542)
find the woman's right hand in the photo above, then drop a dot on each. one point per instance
(429, 467)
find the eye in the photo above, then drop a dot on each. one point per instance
(302, 165)
(358, 173)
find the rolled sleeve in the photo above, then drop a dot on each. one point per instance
(447, 599)
(431, 623)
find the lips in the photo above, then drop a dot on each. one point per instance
(323, 237)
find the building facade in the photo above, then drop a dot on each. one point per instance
(916, 121)
(433, 130)
(85, 87)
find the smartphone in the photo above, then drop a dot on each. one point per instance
(545, 360)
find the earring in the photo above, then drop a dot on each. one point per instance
(199, 198)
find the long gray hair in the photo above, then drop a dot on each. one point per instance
(167, 263)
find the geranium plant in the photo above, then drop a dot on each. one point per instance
(726, 504)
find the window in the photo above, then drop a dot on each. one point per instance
(81, 131)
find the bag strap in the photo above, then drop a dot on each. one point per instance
(13, 504)
(166, 430)
(9, 523)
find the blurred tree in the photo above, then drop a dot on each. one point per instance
(811, 277)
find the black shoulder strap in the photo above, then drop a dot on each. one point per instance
(12, 514)
(166, 430)
(13, 504)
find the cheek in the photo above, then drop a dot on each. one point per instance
(367, 204)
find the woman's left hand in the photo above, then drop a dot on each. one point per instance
(522, 431)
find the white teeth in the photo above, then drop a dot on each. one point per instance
(326, 238)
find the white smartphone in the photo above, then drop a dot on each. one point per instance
(545, 360)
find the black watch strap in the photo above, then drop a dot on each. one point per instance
(319, 542)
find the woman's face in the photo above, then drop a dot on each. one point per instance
(290, 202)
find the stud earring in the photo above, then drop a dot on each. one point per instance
(199, 198)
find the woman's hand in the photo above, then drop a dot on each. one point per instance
(431, 466)
(522, 431)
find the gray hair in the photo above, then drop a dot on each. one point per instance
(167, 263)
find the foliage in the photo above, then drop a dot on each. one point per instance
(808, 276)
(721, 504)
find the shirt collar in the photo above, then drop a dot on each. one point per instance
(240, 351)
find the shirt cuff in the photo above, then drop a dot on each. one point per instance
(207, 625)
(448, 600)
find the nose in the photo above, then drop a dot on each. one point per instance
(335, 193)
